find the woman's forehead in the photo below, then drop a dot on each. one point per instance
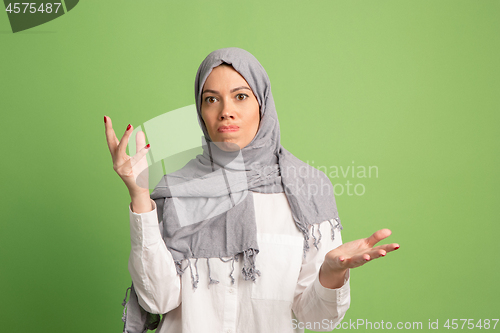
(224, 76)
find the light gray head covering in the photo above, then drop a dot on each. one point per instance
(206, 208)
(255, 75)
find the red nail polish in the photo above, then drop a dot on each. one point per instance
(128, 127)
(105, 119)
(147, 146)
(397, 247)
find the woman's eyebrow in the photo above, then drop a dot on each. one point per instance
(242, 87)
(232, 90)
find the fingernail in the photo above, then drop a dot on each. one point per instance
(147, 146)
(105, 119)
(397, 247)
(128, 127)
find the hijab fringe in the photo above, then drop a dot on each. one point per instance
(232, 259)
(136, 314)
(193, 280)
(316, 241)
(211, 281)
(319, 232)
(337, 225)
(124, 304)
(232, 270)
(197, 276)
(249, 271)
(178, 267)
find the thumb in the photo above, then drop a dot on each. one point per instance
(378, 236)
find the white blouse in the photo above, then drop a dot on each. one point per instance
(287, 297)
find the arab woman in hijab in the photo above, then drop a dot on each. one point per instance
(245, 237)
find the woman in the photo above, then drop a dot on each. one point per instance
(246, 204)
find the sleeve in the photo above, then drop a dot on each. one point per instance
(151, 265)
(312, 302)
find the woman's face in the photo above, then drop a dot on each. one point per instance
(229, 109)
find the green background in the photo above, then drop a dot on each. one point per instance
(411, 87)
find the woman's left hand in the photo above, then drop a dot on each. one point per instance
(351, 255)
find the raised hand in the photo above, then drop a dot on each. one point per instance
(351, 255)
(132, 170)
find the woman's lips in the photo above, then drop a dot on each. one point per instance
(230, 128)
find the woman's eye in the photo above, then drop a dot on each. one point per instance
(241, 97)
(210, 99)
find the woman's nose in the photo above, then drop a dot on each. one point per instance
(227, 112)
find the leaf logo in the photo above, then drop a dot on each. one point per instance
(26, 15)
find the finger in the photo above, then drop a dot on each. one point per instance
(110, 135)
(124, 140)
(387, 247)
(378, 236)
(391, 247)
(140, 155)
(341, 262)
(381, 251)
(139, 165)
(357, 260)
(377, 253)
(140, 141)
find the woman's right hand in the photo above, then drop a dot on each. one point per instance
(132, 170)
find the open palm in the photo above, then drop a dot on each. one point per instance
(133, 170)
(356, 253)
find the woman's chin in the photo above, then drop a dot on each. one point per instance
(227, 146)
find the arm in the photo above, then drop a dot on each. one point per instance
(313, 301)
(151, 265)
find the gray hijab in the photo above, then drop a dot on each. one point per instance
(206, 208)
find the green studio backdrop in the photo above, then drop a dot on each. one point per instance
(408, 88)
